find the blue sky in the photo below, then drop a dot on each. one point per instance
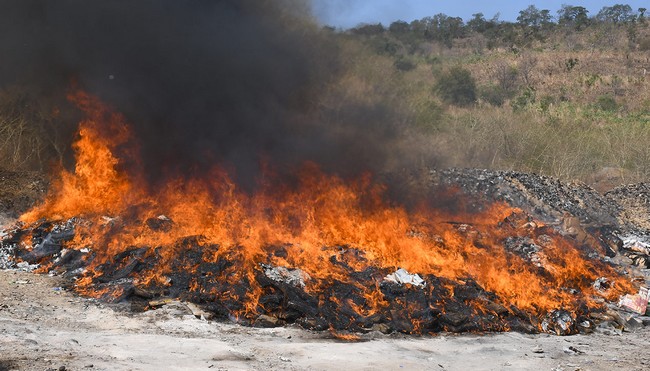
(350, 13)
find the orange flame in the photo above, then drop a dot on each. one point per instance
(309, 221)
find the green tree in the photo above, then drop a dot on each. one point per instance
(533, 17)
(573, 16)
(532, 22)
(496, 30)
(457, 86)
(369, 29)
(478, 23)
(619, 13)
(441, 28)
(399, 28)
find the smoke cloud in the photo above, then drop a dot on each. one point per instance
(201, 82)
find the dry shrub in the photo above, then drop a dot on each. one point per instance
(29, 137)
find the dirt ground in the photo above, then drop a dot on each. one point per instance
(44, 327)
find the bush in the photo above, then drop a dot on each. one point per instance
(545, 102)
(405, 64)
(570, 64)
(644, 44)
(429, 116)
(457, 86)
(524, 100)
(494, 95)
(607, 103)
(29, 136)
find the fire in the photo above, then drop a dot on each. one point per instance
(323, 226)
(96, 186)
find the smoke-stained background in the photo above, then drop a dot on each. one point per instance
(201, 82)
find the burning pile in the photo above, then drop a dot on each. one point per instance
(324, 253)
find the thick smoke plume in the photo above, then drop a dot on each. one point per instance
(234, 82)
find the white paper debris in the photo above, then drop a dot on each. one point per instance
(635, 243)
(110, 221)
(402, 276)
(293, 277)
(26, 267)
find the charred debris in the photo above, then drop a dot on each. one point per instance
(610, 229)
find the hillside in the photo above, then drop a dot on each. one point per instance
(557, 99)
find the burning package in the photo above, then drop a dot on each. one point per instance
(637, 303)
(402, 276)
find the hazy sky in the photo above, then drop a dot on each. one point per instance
(349, 13)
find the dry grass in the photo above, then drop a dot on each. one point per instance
(588, 104)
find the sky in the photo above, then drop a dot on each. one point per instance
(350, 13)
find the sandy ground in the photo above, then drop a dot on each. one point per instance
(43, 327)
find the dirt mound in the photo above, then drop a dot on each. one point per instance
(546, 198)
(634, 201)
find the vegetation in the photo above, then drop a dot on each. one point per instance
(457, 86)
(30, 133)
(563, 93)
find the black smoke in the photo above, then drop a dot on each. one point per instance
(233, 82)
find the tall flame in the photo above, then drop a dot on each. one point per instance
(308, 221)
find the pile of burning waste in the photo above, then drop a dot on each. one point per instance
(322, 252)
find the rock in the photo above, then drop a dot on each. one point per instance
(199, 312)
(382, 327)
(267, 321)
(575, 350)
(160, 302)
